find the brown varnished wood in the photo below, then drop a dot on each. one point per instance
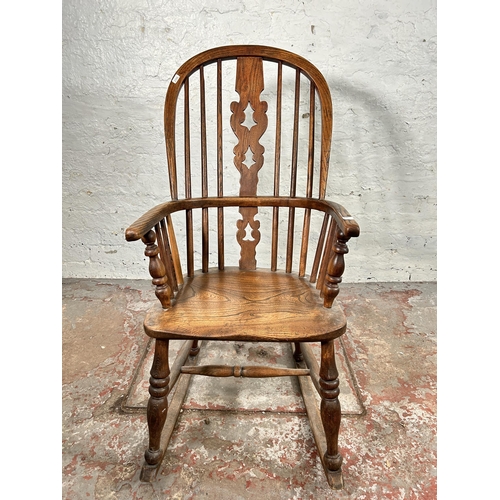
(189, 242)
(187, 143)
(204, 175)
(268, 54)
(335, 269)
(149, 471)
(203, 136)
(157, 269)
(334, 478)
(247, 305)
(277, 161)
(174, 250)
(330, 405)
(310, 150)
(305, 242)
(249, 85)
(220, 170)
(157, 404)
(295, 143)
(180, 360)
(326, 255)
(166, 254)
(243, 371)
(195, 349)
(290, 238)
(204, 239)
(187, 181)
(309, 184)
(312, 364)
(319, 249)
(297, 353)
(293, 175)
(147, 221)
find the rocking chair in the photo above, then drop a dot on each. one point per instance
(290, 297)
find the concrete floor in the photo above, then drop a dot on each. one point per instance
(243, 438)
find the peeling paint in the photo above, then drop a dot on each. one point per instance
(389, 451)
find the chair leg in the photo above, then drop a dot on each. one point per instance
(330, 406)
(157, 404)
(195, 349)
(297, 353)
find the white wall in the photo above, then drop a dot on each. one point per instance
(379, 58)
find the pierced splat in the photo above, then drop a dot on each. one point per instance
(248, 234)
(249, 122)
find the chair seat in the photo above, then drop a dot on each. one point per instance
(256, 305)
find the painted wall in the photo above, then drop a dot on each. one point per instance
(379, 58)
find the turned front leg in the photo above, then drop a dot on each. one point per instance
(157, 404)
(330, 405)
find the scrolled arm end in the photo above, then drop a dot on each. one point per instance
(345, 221)
(131, 234)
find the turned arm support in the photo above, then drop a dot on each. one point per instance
(157, 269)
(335, 269)
(346, 227)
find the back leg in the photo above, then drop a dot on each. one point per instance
(297, 353)
(195, 349)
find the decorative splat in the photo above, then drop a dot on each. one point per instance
(249, 122)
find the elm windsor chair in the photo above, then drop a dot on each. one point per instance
(245, 302)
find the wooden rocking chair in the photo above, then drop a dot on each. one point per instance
(243, 302)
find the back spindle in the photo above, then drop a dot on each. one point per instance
(319, 249)
(220, 171)
(326, 254)
(166, 254)
(187, 181)
(248, 160)
(309, 185)
(174, 250)
(293, 174)
(204, 174)
(277, 158)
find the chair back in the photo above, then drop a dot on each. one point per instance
(250, 121)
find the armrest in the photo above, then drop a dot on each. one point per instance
(141, 226)
(147, 221)
(344, 219)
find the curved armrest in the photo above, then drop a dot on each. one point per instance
(344, 219)
(141, 226)
(147, 221)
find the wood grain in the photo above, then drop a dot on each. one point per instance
(247, 305)
(249, 85)
(243, 371)
(251, 51)
(147, 221)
